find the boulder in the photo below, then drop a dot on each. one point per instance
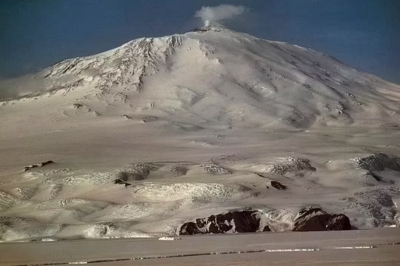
(315, 219)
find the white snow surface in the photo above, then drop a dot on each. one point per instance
(213, 99)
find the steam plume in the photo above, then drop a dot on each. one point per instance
(217, 15)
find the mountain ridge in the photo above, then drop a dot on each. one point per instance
(225, 77)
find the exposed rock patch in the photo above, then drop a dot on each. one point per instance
(246, 221)
(127, 117)
(315, 219)
(231, 222)
(278, 185)
(149, 119)
(378, 162)
(137, 172)
(27, 168)
(77, 105)
(144, 168)
(121, 182)
(377, 204)
(294, 165)
(214, 169)
(273, 183)
(179, 170)
(124, 176)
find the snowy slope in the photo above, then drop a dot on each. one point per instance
(190, 103)
(223, 78)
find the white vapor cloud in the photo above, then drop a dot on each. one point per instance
(217, 15)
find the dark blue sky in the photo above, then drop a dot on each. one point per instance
(37, 33)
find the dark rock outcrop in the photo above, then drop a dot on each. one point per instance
(294, 165)
(121, 182)
(27, 168)
(230, 222)
(315, 219)
(46, 163)
(274, 184)
(137, 172)
(310, 219)
(179, 170)
(214, 169)
(278, 185)
(378, 162)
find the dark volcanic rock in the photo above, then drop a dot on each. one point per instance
(46, 163)
(27, 168)
(315, 219)
(122, 182)
(119, 181)
(378, 162)
(230, 222)
(137, 172)
(278, 185)
(30, 167)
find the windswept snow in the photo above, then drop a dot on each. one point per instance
(192, 125)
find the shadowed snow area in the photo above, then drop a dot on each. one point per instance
(162, 131)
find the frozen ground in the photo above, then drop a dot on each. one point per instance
(366, 247)
(198, 124)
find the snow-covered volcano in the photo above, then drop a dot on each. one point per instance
(220, 78)
(212, 96)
